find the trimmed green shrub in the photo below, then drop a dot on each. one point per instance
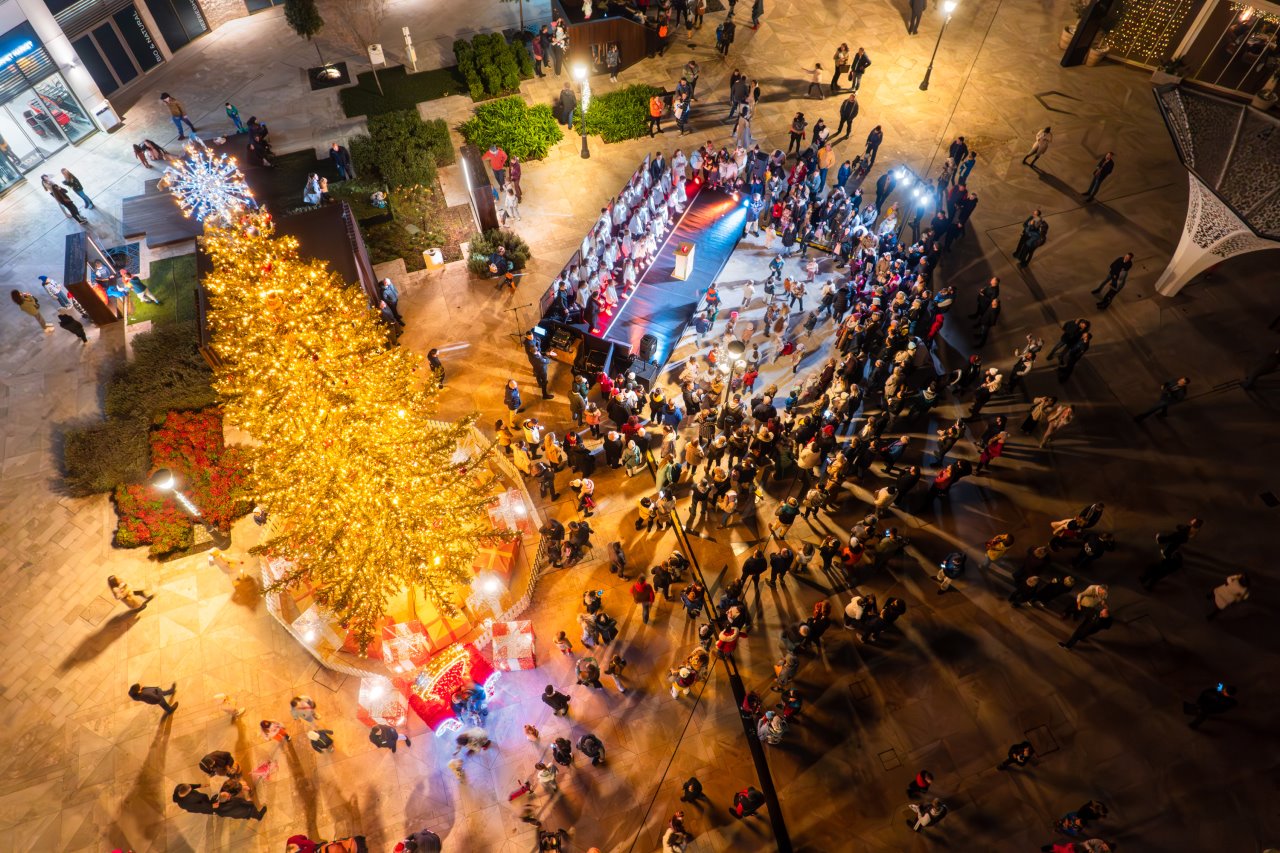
(484, 245)
(167, 374)
(490, 66)
(402, 150)
(621, 114)
(390, 240)
(99, 457)
(520, 130)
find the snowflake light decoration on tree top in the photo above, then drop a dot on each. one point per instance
(208, 185)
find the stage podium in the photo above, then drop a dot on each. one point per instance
(684, 260)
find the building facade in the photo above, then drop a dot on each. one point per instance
(63, 61)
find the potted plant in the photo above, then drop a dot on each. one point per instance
(1078, 8)
(1266, 97)
(1098, 51)
(1170, 71)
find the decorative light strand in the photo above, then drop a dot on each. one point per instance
(208, 185)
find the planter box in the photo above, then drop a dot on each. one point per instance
(1162, 78)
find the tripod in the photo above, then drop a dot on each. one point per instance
(518, 334)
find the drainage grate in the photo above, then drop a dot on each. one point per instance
(889, 759)
(859, 690)
(97, 610)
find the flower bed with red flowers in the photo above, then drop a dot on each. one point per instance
(212, 475)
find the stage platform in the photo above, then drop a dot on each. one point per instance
(661, 304)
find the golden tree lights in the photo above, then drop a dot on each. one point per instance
(367, 494)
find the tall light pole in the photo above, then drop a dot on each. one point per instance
(736, 348)
(580, 74)
(949, 8)
(164, 481)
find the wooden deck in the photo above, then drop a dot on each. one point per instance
(156, 215)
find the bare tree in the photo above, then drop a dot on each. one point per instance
(356, 24)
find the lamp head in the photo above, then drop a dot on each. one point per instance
(164, 480)
(949, 7)
(580, 72)
(736, 347)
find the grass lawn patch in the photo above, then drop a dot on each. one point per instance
(173, 281)
(279, 189)
(401, 90)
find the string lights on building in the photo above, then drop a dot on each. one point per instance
(1147, 28)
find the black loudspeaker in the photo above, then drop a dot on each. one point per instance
(646, 373)
(648, 347)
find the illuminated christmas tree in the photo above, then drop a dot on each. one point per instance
(369, 495)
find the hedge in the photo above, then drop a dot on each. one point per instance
(621, 114)
(491, 66)
(514, 126)
(402, 150)
(99, 457)
(484, 245)
(167, 374)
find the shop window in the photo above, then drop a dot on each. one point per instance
(143, 47)
(115, 53)
(261, 5)
(95, 64)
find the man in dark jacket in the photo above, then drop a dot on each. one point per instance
(568, 103)
(917, 12)
(1115, 280)
(154, 696)
(341, 159)
(558, 702)
(1095, 621)
(1100, 173)
(753, 567)
(385, 736)
(191, 800)
(1211, 702)
(1172, 392)
(848, 112)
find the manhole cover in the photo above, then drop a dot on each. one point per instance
(1042, 739)
(859, 690)
(97, 610)
(889, 759)
(328, 678)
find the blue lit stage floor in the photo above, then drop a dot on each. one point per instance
(662, 305)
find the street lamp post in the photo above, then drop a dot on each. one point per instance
(580, 73)
(164, 481)
(736, 348)
(949, 8)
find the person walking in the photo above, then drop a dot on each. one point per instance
(234, 114)
(557, 701)
(746, 802)
(1068, 360)
(616, 667)
(64, 201)
(154, 696)
(1228, 594)
(725, 34)
(1171, 393)
(73, 183)
(656, 107)
(1211, 702)
(28, 304)
(815, 79)
(191, 800)
(1019, 754)
(857, 67)
(136, 600)
(1100, 174)
(848, 112)
(1117, 275)
(917, 12)
(341, 159)
(1044, 138)
(920, 784)
(72, 325)
(642, 593)
(927, 815)
(1096, 621)
(691, 791)
(874, 140)
(177, 114)
(386, 736)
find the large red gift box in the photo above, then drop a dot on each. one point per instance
(499, 558)
(513, 646)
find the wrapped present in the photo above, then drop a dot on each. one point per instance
(382, 702)
(314, 626)
(444, 630)
(499, 559)
(509, 512)
(405, 645)
(513, 646)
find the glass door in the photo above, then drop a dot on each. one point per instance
(31, 135)
(53, 96)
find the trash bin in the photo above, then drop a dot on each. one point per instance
(433, 258)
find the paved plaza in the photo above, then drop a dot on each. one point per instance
(961, 678)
